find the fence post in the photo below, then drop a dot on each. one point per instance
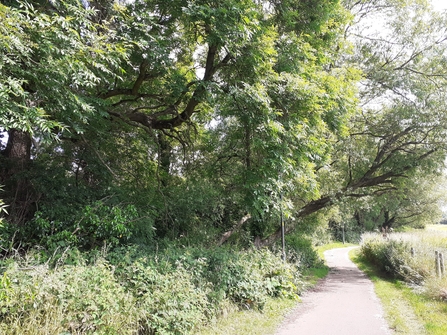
(437, 263)
(441, 264)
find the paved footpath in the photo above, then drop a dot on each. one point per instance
(343, 304)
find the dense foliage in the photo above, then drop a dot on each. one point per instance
(194, 113)
(128, 292)
(132, 120)
(136, 124)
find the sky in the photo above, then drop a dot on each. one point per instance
(439, 4)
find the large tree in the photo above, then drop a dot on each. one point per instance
(254, 85)
(400, 129)
(52, 58)
(214, 111)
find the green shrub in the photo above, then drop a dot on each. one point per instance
(393, 256)
(136, 290)
(170, 303)
(72, 299)
(98, 224)
(301, 250)
(92, 227)
(281, 279)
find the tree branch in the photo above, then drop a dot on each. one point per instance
(328, 200)
(225, 236)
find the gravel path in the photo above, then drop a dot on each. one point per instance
(344, 303)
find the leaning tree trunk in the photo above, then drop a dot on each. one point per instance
(19, 194)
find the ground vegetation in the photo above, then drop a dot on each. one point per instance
(161, 125)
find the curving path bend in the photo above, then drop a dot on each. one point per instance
(344, 303)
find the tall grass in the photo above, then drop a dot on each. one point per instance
(394, 256)
(134, 291)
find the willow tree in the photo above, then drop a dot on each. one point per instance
(399, 134)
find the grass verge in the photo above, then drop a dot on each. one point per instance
(441, 227)
(252, 322)
(407, 312)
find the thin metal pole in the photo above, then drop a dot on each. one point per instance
(343, 231)
(283, 231)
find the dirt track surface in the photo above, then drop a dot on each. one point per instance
(344, 303)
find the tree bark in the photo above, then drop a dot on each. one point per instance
(164, 157)
(18, 190)
(18, 147)
(388, 221)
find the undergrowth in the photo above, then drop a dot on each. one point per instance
(410, 257)
(415, 294)
(131, 290)
(408, 310)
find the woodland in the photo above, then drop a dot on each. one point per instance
(130, 122)
(204, 128)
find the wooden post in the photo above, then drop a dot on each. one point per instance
(441, 264)
(437, 264)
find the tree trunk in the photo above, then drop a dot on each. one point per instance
(164, 158)
(18, 148)
(358, 215)
(225, 236)
(247, 147)
(388, 222)
(18, 190)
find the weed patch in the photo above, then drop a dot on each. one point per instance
(134, 291)
(403, 270)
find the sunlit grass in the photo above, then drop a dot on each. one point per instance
(412, 310)
(431, 312)
(334, 245)
(438, 227)
(252, 322)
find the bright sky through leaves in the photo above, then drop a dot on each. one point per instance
(439, 4)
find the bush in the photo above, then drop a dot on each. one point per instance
(301, 251)
(93, 227)
(136, 290)
(168, 303)
(394, 257)
(247, 279)
(72, 299)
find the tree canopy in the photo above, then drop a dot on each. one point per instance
(130, 120)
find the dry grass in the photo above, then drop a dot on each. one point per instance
(438, 227)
